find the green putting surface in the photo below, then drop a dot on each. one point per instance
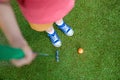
(96, 24)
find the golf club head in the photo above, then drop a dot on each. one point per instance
(57, 56)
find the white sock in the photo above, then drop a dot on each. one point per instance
(60, 22)
(50, 31)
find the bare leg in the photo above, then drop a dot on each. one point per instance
(50, 30)
(54, 37)
(59, 22)
(66, 29)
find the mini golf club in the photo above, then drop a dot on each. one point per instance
(7, 53)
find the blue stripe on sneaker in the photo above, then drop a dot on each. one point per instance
(54, 37)
(61, 27)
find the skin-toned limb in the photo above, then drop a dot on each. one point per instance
(9, 26)
(4, 1)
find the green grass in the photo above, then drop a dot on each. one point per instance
(97, 30)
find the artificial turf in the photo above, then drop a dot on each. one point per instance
(96, 24)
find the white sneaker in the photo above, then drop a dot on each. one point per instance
(66, 29)
(54, 38)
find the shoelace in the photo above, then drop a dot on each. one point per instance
(65, 28)
(54, 37)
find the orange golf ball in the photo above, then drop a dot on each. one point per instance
(80, 50)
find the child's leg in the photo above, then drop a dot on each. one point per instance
(50, 30)
(54, 38)
(64, 27)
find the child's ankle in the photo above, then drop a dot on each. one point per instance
(59, 22)
(50, 30)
